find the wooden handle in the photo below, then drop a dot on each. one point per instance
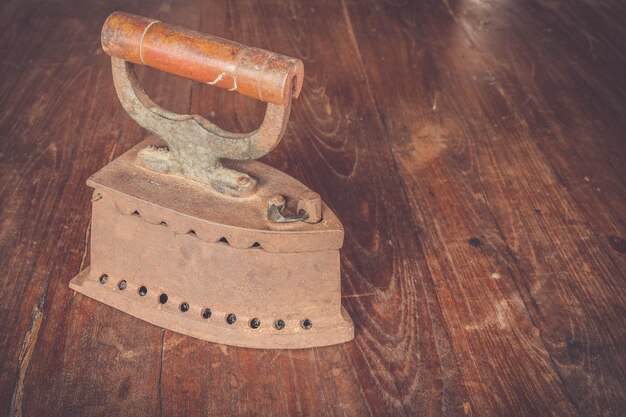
(253, 72)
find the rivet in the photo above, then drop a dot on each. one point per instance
(279, 324)
(231, 318)
(255, 323)
(277, 200)
(103, 278)
(206, 313)
(184, 306)
(143, 290)
(122, 285)
(306, 324)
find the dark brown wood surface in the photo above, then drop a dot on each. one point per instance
(473, 150)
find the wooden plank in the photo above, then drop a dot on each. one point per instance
(401, 361)
(459, 136)
(61, 121)
(569, 103)
(473, 151)
(28, 193)
(574, 116)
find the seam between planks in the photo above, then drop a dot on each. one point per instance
(159, 385)
(23, 363)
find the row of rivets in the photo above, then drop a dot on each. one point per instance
(255, 323)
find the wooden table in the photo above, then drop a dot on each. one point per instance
(473, 150)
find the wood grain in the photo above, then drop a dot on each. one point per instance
(473, 150)
(322, 141)
(65, 355)
(465, 135)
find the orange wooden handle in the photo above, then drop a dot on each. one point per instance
(253, 72)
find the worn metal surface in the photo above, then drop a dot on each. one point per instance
(195, 146)
(157, 234)
(170, 244)
(175, 200)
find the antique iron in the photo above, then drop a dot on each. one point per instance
(188, 231)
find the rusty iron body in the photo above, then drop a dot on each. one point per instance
(188, 231)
